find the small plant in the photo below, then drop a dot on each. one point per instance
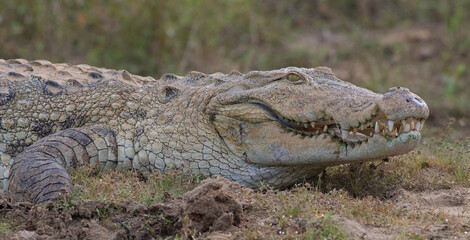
(324, 228)
(5, 228)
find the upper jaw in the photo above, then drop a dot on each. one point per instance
(391, 114)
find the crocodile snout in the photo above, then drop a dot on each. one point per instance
(401, 103)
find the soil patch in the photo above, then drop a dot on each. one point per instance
(449, 205)
(213, 209)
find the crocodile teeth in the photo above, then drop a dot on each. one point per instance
(363, 131)
(344, 134)
(390, 125)
(407, 128)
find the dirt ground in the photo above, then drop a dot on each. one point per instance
(216, 206)
(220, 209)
(453, 202)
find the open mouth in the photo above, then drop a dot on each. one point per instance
(376, 124)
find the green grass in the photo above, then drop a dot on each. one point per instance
(327, 229)
(5, 228)
(117, 186)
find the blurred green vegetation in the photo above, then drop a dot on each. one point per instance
(420, 44)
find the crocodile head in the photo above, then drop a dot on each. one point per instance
(299, 116)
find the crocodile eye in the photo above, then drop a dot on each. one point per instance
(293, 77)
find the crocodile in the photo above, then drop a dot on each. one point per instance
(263, 127)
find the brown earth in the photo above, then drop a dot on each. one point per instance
(220, 209)
(454, 203)
(215, 205)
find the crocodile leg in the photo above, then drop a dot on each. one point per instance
(39, 174)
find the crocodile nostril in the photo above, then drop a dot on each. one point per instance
(416, 101)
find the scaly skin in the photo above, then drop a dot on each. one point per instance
(273, 127)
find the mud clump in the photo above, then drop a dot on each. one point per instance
(214, 206)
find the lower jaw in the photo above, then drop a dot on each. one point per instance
(379, 147)
(376, 148)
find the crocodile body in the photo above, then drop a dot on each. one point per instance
(264, 127)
